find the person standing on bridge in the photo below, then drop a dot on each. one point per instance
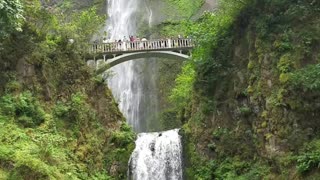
(119, 45)
(163, 42)
(104, 46)
(179, 40)
(131, 42)
(144, 43)
(125, 42)
(131, 38)
(138, 42)
(95, 45)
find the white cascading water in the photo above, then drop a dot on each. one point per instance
(122, 22)
(133, 82)
(157, 156)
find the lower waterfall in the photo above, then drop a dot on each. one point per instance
(157, 156)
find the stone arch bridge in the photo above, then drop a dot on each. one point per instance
(119, 52)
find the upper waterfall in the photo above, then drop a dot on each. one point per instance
(128, 83)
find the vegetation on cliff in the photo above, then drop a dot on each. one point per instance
(11, 16)
(57, 120)
(248, 101)
(186, 8)
(251, 108)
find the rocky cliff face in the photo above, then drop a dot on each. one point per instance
(167, 11)
(71, 5)
(255, 102)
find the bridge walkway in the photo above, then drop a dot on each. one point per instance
(116, 48)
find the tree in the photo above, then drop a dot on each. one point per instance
(11, 17)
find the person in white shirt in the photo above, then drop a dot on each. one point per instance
(144, 44)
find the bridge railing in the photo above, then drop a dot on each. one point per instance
(128, 46)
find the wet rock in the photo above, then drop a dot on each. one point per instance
(241, 77)
(269, 83)
(114, 169)
(24, 69)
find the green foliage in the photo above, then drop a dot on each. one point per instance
(54, 150)
(101, 176)
(285, 64)
(198, 168)
(272, 39)
(207, 106)
(219, 132)
(44, 39)
(256, 171)
(283, 43)
(284, 77)
(212, 26)
(181, 94)
(234, 168)
(309, 158)
(171, 29)
(307, 78)
(77, 111)
(245, 111)
(169, 119)
(20, 149)
(24, 107)
(82, 25)
(227, 166)
(78, 25)
(205, 172)
(212, 32)
(308, 161)
(13, 86)
(61, 110)
(100, 80)
(11, 17)
(124, 137)
(55, 132)
(122, 145)
(187, 7)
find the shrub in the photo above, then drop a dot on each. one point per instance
(285, 64)
(245, 111)
(309, 158)
(169, 119)
(308, 161)
(122, 139)
(24, 107)
(307, 78)
(181, 94)
(61, 110)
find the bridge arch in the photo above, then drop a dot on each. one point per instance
(139, 55)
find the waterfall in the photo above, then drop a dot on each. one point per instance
(133, 82)
(124, 86)
(157, 156)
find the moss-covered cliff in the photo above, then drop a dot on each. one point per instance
(57, 119)
(251, 107)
